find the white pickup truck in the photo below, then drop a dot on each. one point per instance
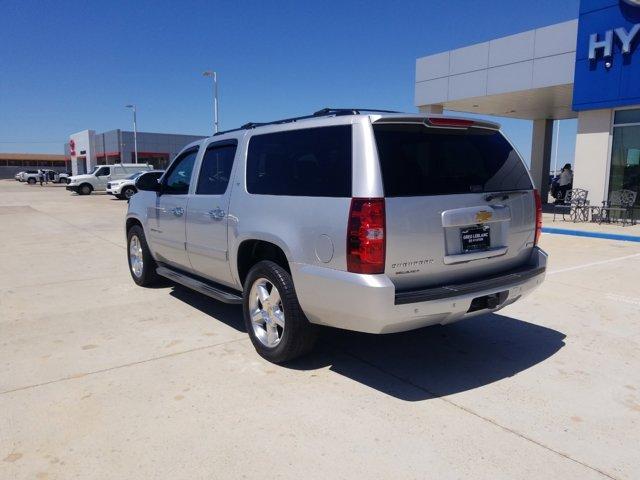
(33, 176)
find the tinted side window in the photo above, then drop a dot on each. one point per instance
(314, 162)
(103, 171)
(179, 177)
(215, 170)
(417, 161)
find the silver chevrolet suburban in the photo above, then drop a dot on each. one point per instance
(364, 220)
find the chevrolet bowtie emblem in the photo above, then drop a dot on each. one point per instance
(483, 216)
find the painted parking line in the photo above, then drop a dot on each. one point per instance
(623, 299)
(584, 233)
(593, 264)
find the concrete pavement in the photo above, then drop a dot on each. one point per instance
(102, 379)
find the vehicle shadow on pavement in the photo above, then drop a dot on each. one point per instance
(420, 364)
(230, 315)
(438, 360)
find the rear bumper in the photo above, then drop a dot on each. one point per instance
(501, 281)
(370, 303)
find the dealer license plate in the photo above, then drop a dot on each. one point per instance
(475, 238)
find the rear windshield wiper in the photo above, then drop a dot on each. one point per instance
(502, 195)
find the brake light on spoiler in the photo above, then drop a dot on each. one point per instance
(449, 122)
(461, 123)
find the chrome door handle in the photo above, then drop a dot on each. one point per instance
(216, 214)
(178, 211)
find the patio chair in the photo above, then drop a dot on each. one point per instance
(620, 201)
(575, 204)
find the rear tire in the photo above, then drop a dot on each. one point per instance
(142, 266)
(277, 326)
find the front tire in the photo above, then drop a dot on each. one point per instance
(31, 181)
(276, 324)
(127, 193)
(142, 266)
(85, 189)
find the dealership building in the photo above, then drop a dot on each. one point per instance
(86, 149)
(587, 68)
(12, 163)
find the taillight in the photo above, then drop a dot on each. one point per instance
(365, 236)
(536, 195)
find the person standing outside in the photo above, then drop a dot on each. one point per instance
(40, 176)
(565, 182)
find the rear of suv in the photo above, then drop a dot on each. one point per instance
(377, 222)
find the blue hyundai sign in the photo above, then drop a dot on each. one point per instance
(607, 70)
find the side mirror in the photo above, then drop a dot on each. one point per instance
(148, 182)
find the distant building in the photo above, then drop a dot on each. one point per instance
(587, 68)
(12, 163)
(86, 149)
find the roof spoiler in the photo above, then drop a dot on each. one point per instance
(455, 123)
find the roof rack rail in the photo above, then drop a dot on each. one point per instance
(325, 112)
(348, 111)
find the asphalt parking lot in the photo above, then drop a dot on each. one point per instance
(102, 379)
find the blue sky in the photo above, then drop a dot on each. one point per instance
(68, 66)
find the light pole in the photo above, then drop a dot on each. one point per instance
(555, 168)
(135, 132)
(214, 76)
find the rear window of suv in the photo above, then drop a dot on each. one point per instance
(312, 162)
(419, 161)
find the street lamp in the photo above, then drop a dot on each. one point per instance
(214, 76)
(135, 132)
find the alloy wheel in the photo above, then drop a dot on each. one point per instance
(135, 256)
(267, 314)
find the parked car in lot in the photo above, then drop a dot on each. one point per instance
(22, 176)
(33, 176)
(61, 177)
(377, 222)
(125, 189)
(97, 180)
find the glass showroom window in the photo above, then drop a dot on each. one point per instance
(625, 152)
